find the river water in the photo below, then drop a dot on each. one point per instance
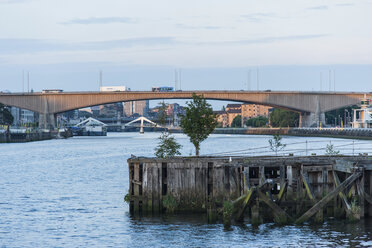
(69, 193)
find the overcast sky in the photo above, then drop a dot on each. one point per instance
(64, 44)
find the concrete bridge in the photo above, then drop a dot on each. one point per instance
(311, 105)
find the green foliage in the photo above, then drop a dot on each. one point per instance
(355, 208)
(127, 198)
(237, 122)
(6, 118)
(280, 219)
(167, 147)
(284, 118)
(228, 209)
(330, 150)
(162, 114)
(276, 144)
(355, 211)
(170, 203)
(199, 121)
(259, 121)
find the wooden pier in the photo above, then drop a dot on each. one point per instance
(280, 189)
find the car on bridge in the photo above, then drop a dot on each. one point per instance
(162, 89)
(52, 91)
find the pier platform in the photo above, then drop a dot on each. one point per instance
(283, 189)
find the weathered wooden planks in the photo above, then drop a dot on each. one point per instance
(319, 205)
(201, 183)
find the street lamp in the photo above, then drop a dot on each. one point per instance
(345, 117)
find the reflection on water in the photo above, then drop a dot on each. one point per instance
(195, 231)
(69, 193)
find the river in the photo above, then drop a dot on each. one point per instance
(69, 193)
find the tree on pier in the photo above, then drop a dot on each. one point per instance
(276, 144)
(168, 146)
(199, 121)
(162, 114)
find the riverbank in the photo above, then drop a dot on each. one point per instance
(21, 137)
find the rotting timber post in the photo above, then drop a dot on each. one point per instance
(279, 189)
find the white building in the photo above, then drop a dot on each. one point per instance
(363, 116)
(22, 116)
(92, 127)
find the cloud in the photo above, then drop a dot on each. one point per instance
(17, 46)
(268, 40)
(344, 4)
(319, 7)
(12, 1)
(198, 27)
(101, 20)
(258, 17)
(29, 46)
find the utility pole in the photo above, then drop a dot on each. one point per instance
(175, 79)
(249, 79)
(330, 86)
(100, 79)
(334, 80)
(28, 82)
(180, 76)
(23, 81)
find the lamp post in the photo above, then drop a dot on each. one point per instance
(339, 120)
(345, 117)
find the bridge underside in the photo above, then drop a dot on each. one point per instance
(311, 105)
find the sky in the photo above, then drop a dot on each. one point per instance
(217, 45)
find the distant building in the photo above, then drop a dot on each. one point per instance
(174, 111)
(232, 111)
(254, 110)
(246, 111)
(231, 114)
(23, 116)
(114, 109)
(363, 116)
(136, 107)
(233, 106)
(222, 118)
(95, 110)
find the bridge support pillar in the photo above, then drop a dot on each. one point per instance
(47, 121)
(312, 120)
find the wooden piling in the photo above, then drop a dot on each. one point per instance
(278, 189)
